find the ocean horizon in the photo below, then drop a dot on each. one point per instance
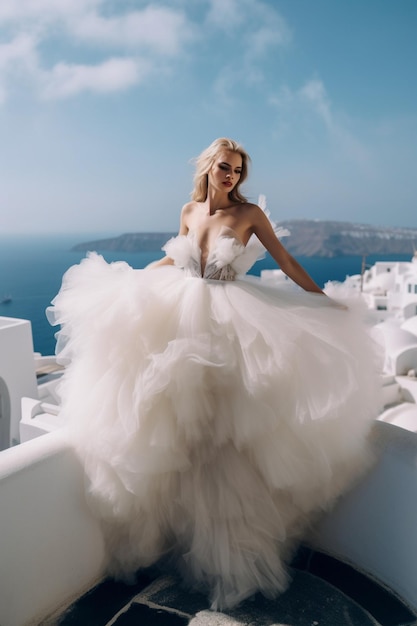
(31, 270)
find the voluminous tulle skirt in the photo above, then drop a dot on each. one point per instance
(214, 419)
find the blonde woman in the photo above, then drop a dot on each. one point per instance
(215, 415)
(218, 204)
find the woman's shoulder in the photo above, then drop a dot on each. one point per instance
(188, 216)
(257, 211)
(189, 207)
(252, 206)
(248, 206)
(250, 210)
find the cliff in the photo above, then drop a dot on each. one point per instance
(308, 238)
(130, 242)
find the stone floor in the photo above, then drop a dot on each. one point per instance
(323, 592)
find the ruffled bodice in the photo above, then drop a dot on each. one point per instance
(228, 258)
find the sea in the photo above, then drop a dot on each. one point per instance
(31, 270)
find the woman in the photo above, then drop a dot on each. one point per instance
(215, 415)
(218, 205)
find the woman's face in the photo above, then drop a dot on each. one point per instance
(226, 171)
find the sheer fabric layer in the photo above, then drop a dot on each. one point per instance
(214, 418)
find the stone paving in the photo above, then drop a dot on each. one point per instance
(323, 592)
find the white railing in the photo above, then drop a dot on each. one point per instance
(374, 526)
(17, 375)
(51, 548)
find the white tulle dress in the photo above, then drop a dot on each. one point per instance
(214, 415)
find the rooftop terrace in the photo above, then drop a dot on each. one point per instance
(323, 592)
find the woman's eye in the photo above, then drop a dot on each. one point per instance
(223, 167)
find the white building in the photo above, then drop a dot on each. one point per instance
(389, 288)
(28, 403)
(17, 376)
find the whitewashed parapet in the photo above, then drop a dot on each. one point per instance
(373, 527)
(17, 376)
(51, 548)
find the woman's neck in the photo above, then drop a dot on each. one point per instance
(216, 200)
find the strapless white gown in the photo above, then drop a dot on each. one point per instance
(214, 415)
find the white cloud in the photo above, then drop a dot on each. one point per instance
(126, 45)
(18, 57)
(269, 31)
(159, 29)
(112, 75)
(256, 24)
(225, 14)
(256, 29)
(26, 11)
(20, 49)
(310, 107)
(138, 42)
(314, 92)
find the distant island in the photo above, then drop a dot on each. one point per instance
(318, 238)
(130, 242)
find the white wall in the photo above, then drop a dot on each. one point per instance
(409, 388)
(374, 527)
(51, 549)
(17, 369)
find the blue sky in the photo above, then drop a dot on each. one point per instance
(104, 103)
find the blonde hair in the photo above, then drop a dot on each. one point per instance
(204, 162)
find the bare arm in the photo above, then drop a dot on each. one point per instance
(166, 260)
(263, 230)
